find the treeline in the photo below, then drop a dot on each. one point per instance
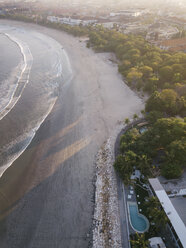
(162, 147)
(147, 68)
(74, 30)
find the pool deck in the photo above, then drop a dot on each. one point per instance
(129, 203)
(126, 229)
(124, 221)
(132, 199)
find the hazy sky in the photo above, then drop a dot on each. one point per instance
(116, 2)
(112, 1)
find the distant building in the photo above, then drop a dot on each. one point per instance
(126, 13)
(161, 31)
(70, 21)
(173, 44)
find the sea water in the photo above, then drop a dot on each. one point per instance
(33, 70)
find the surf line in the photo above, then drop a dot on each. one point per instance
(23, 78)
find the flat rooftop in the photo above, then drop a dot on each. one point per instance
(170, 210)
(180, 205)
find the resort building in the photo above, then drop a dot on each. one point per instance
(70, 21)
(126, 13)
(176, 227)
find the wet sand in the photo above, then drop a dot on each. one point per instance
(49, 191)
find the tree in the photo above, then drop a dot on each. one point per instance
(181, 106)
(170, 169)
(130, 158)
(143, 112)
(156, 213)
(177, 77)
(153, 116)
(166, 73)
(147, 71)
(139, 241)
(167, 130)
(154, 103)
(152, 201)
(177, 151)
(143, 164)
(134, 75)
(124, 66)
(169, 97)
(133, 51)
(177, 68)
(130, 136)
(152, 84)
(127, 121)
(123, 165)
(135, 116)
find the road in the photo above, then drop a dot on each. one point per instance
(49, 189)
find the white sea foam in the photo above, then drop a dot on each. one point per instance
(23, 78)
(25, 138)
(8, 86)
(60, 69)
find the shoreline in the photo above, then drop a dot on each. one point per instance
(27, 59)
(91, 107)
(27, 135)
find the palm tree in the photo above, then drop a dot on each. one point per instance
(127, 121)
(144, 164)
(156, 213)
(152, 202)
(135, 116)
(143, 112)
(160, 218)
(139, 241)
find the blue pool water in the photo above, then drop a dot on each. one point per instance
(138, 221)
(143, 130)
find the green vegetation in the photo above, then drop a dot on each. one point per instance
(126, 121)
(156, 215)
(152, 209)
(139, 241)
(166, 102)
(165, 141)
(148, 69)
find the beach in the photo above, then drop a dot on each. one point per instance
(47, 195)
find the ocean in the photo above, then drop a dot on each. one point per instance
(34, 68)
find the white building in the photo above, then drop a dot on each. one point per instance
(70, 21)
(174, 218)
(127, 13)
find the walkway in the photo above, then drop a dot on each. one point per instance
(121, 193)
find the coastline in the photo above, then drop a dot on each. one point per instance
(10, 151)
(79, 123)
(21, 84)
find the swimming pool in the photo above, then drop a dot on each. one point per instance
(138, 221)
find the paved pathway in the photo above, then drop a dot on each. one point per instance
(123, 215)
(121, 193)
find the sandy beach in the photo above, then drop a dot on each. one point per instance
(47, 194)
